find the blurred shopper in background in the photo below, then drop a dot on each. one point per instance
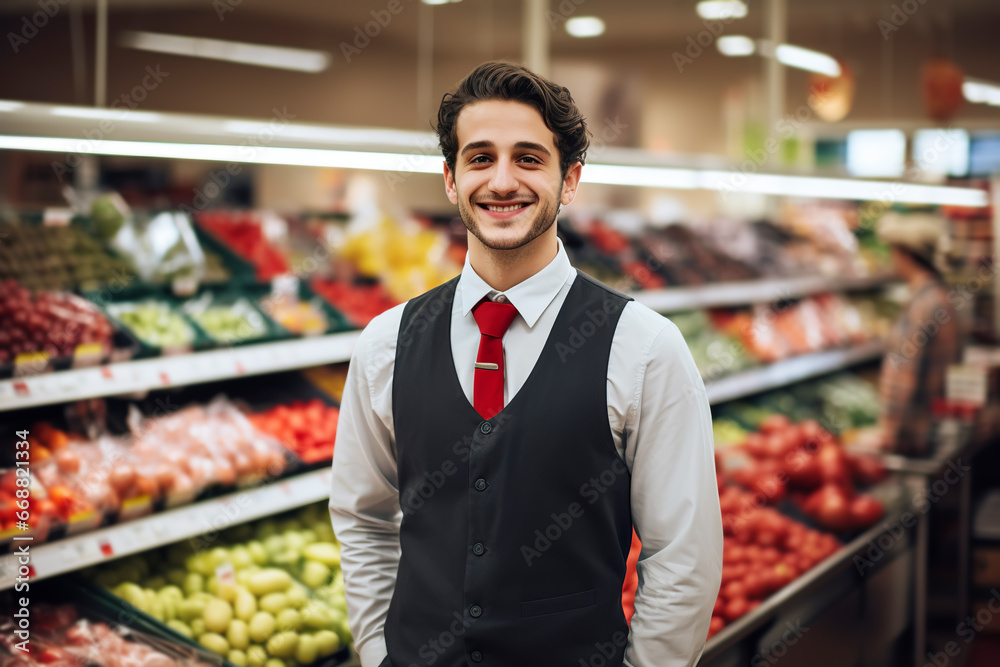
(924, 340)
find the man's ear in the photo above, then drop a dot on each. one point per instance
(449, 184)
(571, 183)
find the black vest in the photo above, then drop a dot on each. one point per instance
(515, 530)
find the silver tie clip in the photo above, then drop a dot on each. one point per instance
(487, 367)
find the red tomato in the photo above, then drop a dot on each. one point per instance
(735, 608)
(774, 423)
(715, 625)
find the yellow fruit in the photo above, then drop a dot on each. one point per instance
(181, 627)
(269, 581)
(307, 650)
(273, 603)
(256, 656)
(237, 657)
(217, 616)
(261, 627)
(327, 643)
(283, 644)
(288, 619)
(215, 643)
(245, 605)
(238, 635)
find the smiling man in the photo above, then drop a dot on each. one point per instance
(500, 435)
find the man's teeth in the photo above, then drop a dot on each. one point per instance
(504, 209)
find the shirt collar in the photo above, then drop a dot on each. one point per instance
(530, 296)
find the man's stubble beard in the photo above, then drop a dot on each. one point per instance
(544, 219)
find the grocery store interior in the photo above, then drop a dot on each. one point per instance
(203, 203)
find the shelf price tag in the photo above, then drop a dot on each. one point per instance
(225, 574)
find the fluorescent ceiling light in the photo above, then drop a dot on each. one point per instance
(339, 135)
(981, 92)
(876, 153)
(662, 177)
(439, 2)
(721, 9)
(585, 26)
(807, 59)
(941, 151)
(280, 57)
(735, 45)
(305, 157)
(6, 105)
(101, 113)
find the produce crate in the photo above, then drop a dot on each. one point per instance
(242, 271)
(335, 320)
(96, 596)
(160, 295)
(124, 346)
(269, 330)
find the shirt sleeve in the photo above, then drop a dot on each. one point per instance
(364, 498)
(675, 508)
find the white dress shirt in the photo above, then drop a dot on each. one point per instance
(659, 415)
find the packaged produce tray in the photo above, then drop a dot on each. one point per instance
(78, 625)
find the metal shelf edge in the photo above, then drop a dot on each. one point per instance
(197, 519)
(172, 371)
(789, 371)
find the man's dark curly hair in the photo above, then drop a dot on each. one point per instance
(506, 81)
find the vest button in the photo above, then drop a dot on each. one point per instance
(485, 428)
(476, 656)
(478, 548)
(480, 484)
(475, 611)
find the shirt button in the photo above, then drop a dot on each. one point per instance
(486, 428)
(478, 548)
(475, 611)
(480, 484)
(476, 656)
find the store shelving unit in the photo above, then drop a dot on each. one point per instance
(180, 370)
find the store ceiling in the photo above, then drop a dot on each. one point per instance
(461, 25)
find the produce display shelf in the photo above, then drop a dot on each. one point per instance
(156, 530)
(173, 371)
(789, 371)
(716, 295)
(896, 495)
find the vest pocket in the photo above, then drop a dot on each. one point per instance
(560, 604)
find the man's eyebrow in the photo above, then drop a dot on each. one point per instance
(523, 145)
(476, 145)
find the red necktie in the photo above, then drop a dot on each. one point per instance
(493, 319)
